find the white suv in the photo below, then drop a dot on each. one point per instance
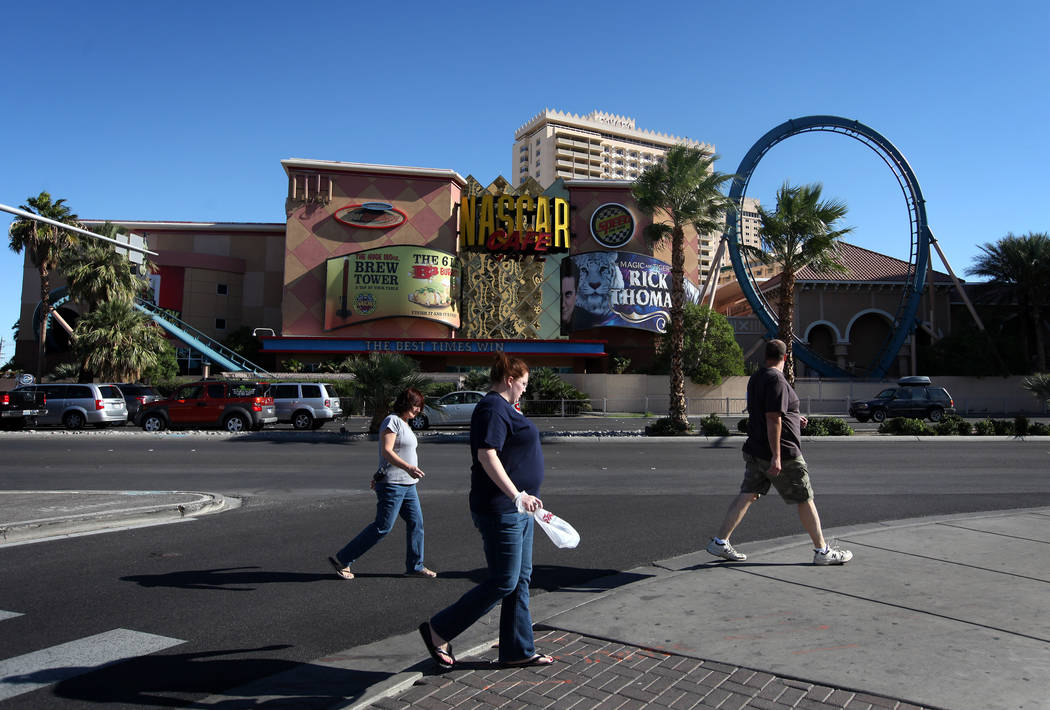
(307, 405)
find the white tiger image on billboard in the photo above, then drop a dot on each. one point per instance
(617, 289)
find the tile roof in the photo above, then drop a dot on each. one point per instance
(863, 265)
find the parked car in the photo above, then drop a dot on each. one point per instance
(233, 405)
(136, 395)
(76, 405)
(913, 397)
(454, 408)
(307, 405)
(21, 407)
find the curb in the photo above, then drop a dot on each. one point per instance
(203, 504)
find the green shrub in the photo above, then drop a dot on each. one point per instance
(477, 379)
(1038, 429)
(1003, 427)
(741, 425)
(439, 389)
(985, 427)
(827, 426)
(1021, 426)
(953, 425)
(292, 365)
(711, 425)
(668, 427)
(907, 427)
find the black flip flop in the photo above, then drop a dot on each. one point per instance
(540, 659)
(424, 631)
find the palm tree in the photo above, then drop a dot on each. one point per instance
(1039, 385)
(799, 233)
(116, 342)
(684, 189)
(379, 378)
(44, 243)
(1022, 263)
(95, 272)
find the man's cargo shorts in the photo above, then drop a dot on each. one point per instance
(792, 483)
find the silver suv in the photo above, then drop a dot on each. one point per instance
(307, 405)
(74, 406)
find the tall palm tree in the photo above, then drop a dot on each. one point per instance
(684, 190)
(1022, 263)
(379, 378)
(95, 272)
(116, 342)
(801, 232)
(44, 243)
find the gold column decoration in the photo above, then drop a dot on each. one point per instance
(502, 298)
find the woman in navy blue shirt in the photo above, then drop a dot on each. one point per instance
(506, 469)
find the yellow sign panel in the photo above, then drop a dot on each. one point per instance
(501, 223)
(392, 281)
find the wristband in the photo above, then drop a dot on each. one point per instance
(517, 502)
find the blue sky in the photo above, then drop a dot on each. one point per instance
(183, 110)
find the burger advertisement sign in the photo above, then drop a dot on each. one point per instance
(405, 281)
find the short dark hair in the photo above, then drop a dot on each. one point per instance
(775, 350)
(411, 397)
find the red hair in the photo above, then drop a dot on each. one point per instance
(505, 367)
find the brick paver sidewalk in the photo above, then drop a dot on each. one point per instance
(592, 673)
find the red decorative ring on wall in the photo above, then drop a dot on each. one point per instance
(371, 215)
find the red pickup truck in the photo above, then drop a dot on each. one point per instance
(234, 405)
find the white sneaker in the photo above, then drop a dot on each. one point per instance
(834, 556)
(725, 551)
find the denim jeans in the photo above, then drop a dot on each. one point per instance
(507, 538)
(393, 499)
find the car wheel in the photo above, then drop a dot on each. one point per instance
(154, 422)
(235, 423)
(420, 422)
(302, 420)
(73, 420)
(936, 414)
(879, 415)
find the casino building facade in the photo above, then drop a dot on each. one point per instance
(421, 261)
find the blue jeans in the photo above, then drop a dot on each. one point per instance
(508, 550)
(393, 499)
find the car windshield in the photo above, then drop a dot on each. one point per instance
(886, 394)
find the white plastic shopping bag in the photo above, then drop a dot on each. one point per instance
(558, 530)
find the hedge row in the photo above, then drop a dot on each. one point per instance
(954, 425)
(817, 426)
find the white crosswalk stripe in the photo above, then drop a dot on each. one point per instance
(8, 614)
(39, 669)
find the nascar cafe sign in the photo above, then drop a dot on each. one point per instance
(513, 226)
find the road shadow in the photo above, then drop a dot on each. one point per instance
(182, 679)
(742, 565)
(226, 579)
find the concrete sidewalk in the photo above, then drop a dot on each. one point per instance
(945, 612)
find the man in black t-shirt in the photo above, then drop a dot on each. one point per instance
(773, 456)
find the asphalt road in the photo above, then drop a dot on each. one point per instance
(249, 593)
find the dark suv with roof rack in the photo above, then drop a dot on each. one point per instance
(913, 397)
(234, 405)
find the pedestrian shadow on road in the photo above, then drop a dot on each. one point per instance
(544, 577)
(179, 679)
(732, 565)
(227, 579)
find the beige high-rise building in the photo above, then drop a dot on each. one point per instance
(598, 146)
